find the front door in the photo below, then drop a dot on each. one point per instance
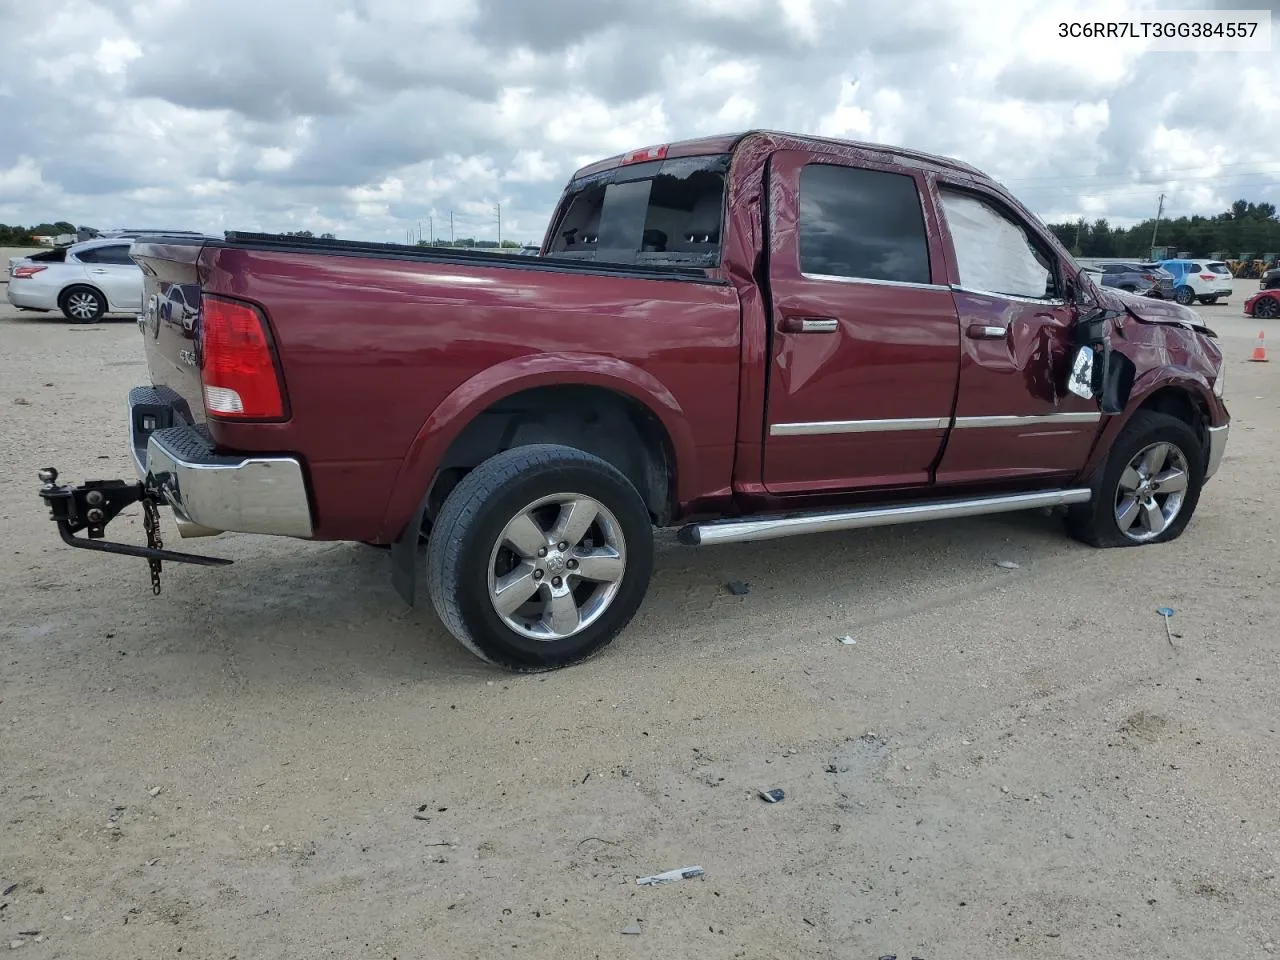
(1014, 418)
(865, 343)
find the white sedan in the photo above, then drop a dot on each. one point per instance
(85, 280)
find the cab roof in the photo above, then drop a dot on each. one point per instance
(729, 142)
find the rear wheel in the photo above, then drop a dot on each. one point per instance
(539, 557)
(82, 304)
(1184, 295)
(1149, 487)
(1268, 308)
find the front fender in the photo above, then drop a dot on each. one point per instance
(1144, 387)
(495, 383)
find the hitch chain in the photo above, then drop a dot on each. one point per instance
(151, 523)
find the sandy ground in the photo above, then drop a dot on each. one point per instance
(1008, 763)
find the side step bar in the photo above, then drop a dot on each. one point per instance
(791, 525)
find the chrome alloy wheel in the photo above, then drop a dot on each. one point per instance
(557, 566)
(1151, 491)
(82, 305)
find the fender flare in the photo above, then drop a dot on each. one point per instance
(481, 391)
(1182, 378)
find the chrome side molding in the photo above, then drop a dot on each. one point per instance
(749, 529)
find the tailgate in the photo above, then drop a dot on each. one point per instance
(170, 318)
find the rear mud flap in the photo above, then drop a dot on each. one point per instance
(404, 557)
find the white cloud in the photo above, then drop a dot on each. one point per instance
(360, 117)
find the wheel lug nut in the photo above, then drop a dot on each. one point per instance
(564, 545)
(573, 564)
(537, 574)
(556, 581)
(542, 551)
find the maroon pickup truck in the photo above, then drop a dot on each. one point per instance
(748, 337)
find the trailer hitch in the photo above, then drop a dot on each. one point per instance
(95, 503)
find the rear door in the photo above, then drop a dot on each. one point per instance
(865, 347)
(1014, 419)
(111, 271)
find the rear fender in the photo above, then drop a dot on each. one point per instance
(489, 386)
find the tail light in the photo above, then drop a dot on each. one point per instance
(1150, 277)
(1208, 276)
(26, 273)
(238, 368)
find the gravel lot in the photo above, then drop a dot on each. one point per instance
(1008, 763)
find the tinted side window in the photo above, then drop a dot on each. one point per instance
(117, 253)
(865, 224)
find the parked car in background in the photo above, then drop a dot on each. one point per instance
(1148, 279)
(85, 281)
(1271, 279)
(1265, 304)
(1207, 281)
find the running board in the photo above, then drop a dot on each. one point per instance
(791, 525)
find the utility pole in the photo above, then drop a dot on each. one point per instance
(419, 231)
(1079, 227)
(1156, 228)
(431, 227)
(452, 239)
(498, 207)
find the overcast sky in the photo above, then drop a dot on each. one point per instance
(364, 117)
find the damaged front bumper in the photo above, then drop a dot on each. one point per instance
(1217, 448)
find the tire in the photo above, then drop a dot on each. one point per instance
(1096, 522)
(1208, 301)
(82, 304)
(1268, 308)
(470, 551)
(1184, 295)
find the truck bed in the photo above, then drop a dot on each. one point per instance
(380, 345)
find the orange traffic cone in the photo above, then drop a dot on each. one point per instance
(1259, 354)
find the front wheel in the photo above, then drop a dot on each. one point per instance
(1184, 295)
(539, 557)
(1149, 487)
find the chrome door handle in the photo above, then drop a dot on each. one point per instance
(809, 325)
(979, 331)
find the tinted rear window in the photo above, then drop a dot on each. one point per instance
(1219, 268)
(666, 211)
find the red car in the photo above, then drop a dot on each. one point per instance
(1265, 304)
(747, 337)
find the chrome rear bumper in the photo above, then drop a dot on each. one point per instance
(208, 492)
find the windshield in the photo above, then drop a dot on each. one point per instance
(666, 211)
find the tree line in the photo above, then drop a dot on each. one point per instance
(16, 236)
(1246, 228)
